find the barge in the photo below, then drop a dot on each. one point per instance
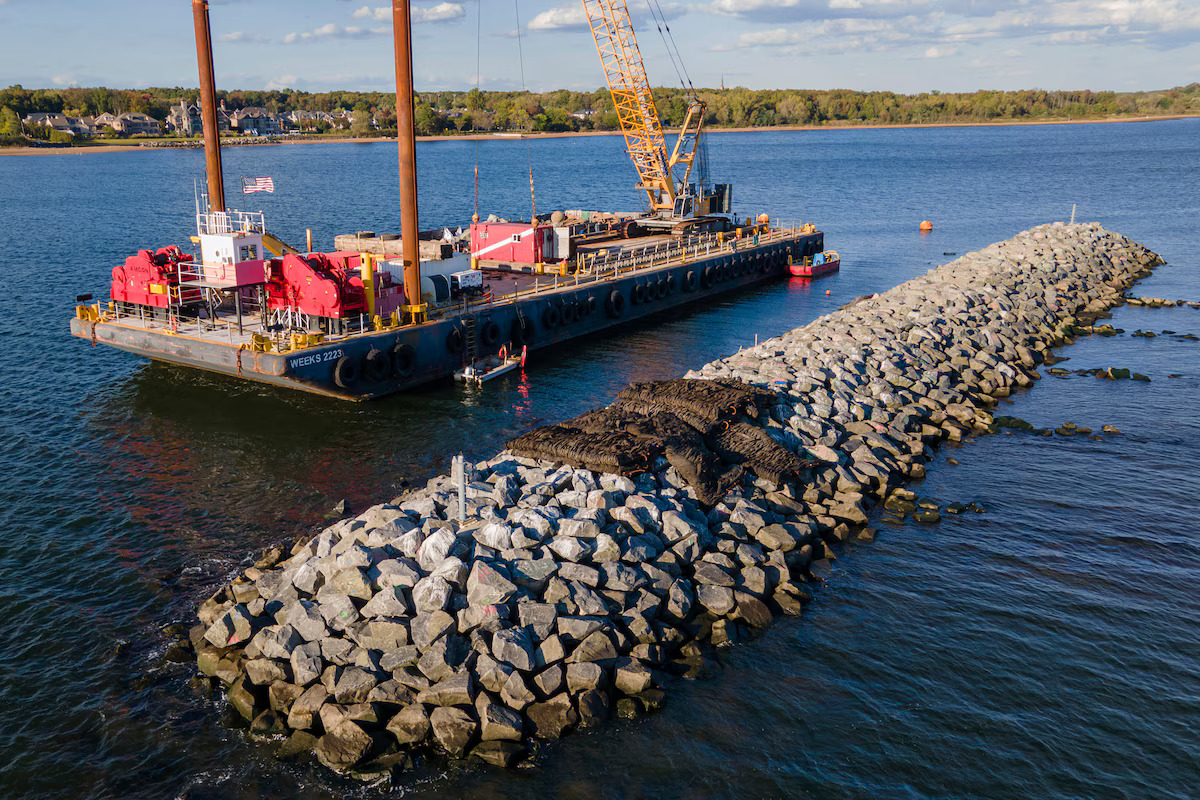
(379, 315)
(360, 350)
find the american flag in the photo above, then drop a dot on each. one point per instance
(260, 184)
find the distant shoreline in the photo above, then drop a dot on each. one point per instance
(475, 137)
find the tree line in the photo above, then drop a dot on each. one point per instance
(562, 110)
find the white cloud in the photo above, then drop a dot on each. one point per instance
(793, 10)
(562, 18)
(243, 36)
(334, 31)
(282, 82)
(442, 12)
(573, 18)
(943, 27)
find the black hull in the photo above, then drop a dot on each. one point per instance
(432, 356)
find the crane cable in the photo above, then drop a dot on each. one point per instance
(528, 152)
(660, 22)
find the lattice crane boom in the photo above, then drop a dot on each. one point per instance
(621, 59)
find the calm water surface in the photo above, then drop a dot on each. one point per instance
(1046, 648)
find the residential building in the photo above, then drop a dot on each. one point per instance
(134, 123)
(254, 120)
(184, 119)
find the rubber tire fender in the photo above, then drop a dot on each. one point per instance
(708, 276)
(551, 317)
(454, 341)
(404, 360)
(615, 305)
(346, 372)
(661, 288)
(569, 312)
(523, 330)
(590, 308)
(377, 366)
(490, 333)
(672, 283)
(639, 293)
(691, 281)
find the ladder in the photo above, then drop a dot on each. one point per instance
(471, 341)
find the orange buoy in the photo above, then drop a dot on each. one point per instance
(926, 225)
(827, 293)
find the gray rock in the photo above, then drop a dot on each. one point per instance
(387, 602)
(597, 647)
(394, 573)
(306, 619)
(538, 618)
(442, 657)
(513, 646)
(343, 747)
(232, 627)
(306, 707)
(265, 671)
(455, 690)
(593, 707)
(496, 535)
(434, 549)
(453, 728)
(499, 753)
(431, 594)
(492, 674)
(552, 718)
(585, 675)
(429, 627)
(717, 599)
(515, 693)
(631, 677)
(380, 634)
(534, 574)
(486, 586)
(352, 582)
(279, 642)
(550, 681)
(496, 722)
(678, 605)
(337, 609)
(410, 725)
(307, 664)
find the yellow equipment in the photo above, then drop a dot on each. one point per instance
(612, 30)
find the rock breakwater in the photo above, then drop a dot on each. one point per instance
(569, 595)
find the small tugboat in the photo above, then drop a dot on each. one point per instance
(383, 314)
(817, 265)
(485, 369)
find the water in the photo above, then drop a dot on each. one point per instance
(1047, 648)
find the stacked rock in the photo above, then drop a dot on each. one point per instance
(567, 596)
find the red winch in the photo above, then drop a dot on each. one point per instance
(150, 277)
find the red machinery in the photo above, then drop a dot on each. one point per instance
(149, 278)
(329, 285)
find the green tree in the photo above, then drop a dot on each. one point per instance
(361, 124)
(10, 123)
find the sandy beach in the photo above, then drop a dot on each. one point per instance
(134, 148)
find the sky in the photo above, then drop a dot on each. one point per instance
(904, 46)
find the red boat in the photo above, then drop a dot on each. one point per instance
(816, 266)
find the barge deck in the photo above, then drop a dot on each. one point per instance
(613, 283)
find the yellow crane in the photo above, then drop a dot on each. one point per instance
(664, 178)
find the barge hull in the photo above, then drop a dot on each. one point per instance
(536, 322)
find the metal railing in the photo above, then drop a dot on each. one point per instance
(232, 221)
